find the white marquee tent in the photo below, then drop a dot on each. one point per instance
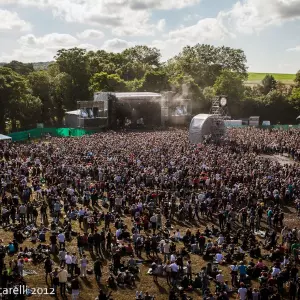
(204, 125)
(5, 137)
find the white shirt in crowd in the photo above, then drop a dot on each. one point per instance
(275, 271)
(220, 278)
(242, 293)
(118, 233)
(220, 240)
(219, 257)
(68, 259)
(167, 248)
(173, 258)
(74, 259)
(61, 238)
(174, 267)
(153, 219)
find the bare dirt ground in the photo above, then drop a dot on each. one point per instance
(282, 159)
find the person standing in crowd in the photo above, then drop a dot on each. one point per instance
(83, 265)
(55, 280)
(97, 270)
(75, 288)
(242, 291)
(62, 278)
(48, 268)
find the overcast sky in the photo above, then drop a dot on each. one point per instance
(267, 30)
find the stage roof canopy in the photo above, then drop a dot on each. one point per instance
(74, 112)
(102, 96)
(137, 95)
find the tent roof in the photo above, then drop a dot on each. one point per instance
(100, 96)
(137, 95)
(4, 137)
(73, 112)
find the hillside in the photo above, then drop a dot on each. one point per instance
(256, 78)
(37, 65)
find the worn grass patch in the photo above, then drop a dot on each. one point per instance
(89, 287)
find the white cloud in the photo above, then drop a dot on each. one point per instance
(132, 4)
(209, 30)
(116, 45)
(125, 17)
(205, 30)
(161, 25)
(251, 16)
(43, 48)
(48, 41)
(90, 34)
(160, 4)
(294, 49)
(88, 47)
(11, 21)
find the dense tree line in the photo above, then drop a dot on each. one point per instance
(29, 96)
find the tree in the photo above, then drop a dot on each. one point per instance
(17, 104)
(133, 70)
(27, 111)
(53, 70)
(204, 63)
(185, 87)
(274, 104)
(209, 93)
(20, 68)
(231, 85)
(12, 88)
(143, 55)
(155, 81)
(61, 93)
(107, 83)
(268, 84)
(102, 61)
(294, 98)
(40, 84)
(297, 79)
(134, 85)
(75, 63)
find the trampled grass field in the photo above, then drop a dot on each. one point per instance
(256, 78)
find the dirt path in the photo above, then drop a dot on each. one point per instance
(282, 159)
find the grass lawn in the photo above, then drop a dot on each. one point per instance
(257, 77)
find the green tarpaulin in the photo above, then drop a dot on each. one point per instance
(39, 132)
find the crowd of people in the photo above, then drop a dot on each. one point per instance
(188, 213)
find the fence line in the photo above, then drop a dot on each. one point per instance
(40, 132)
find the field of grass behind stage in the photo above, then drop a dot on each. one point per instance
(89, 287)
(256, 78)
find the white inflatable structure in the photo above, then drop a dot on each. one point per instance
(204, 125)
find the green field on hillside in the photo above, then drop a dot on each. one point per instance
(277, 76)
